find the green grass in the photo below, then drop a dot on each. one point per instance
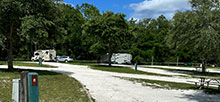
(83, 63)
(171, 85)
(53, 87)
(182, 66)
(189, 72)
(96, 66)
(28, 64)
(123, 70)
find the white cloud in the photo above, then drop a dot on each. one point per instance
(155, 8)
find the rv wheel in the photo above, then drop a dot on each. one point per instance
(66, 61)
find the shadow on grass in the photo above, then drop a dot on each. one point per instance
(83, 63)
(106, 66)
(40, 72)
(121, 69)
(193, 72)
(172, 85)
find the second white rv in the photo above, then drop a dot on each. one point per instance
(118, 58)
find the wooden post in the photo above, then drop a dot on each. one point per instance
(24, 87)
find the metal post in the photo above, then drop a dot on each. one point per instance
(135, 68)
(40, 61)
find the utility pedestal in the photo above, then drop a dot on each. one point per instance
(33, 89)
(40, 61)
(26, 89)
(135, 67)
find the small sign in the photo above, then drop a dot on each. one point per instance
(34, 80)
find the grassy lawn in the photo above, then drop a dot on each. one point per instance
(170, 85)
(83, 63)
(189, 72)
(123, 70)
(28, 64)
(182, 66)
(53, 87)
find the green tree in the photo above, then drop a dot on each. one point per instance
(109, 31)
(199, 29)
(41, 25)
(10, 13)
(25, 19)
(70, 43)
(150, 39)
(89, 11)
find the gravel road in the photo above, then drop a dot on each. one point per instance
(105, 87)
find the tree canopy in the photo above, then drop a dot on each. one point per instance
(108, 31)
(85, 33)
(198, 29)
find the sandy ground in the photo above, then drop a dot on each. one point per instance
(105, 87)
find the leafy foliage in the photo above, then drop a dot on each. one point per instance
(199, 29)
(150, 39)
(109, 32)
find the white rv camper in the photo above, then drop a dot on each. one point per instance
(119, 58)
(46, 55)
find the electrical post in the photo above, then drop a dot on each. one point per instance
(135, 67)
(26, 89)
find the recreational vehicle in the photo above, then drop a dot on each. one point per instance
(46, 55)
(118, 58)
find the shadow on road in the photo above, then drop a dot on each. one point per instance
(202, 97)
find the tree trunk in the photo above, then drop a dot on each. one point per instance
(203, 66)
(109, 59)
(10, 58)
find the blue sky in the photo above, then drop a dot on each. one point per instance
(138, 9)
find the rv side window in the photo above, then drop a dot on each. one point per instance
(46, 52)
(37, 54)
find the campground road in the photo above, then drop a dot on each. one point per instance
(105, 87)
